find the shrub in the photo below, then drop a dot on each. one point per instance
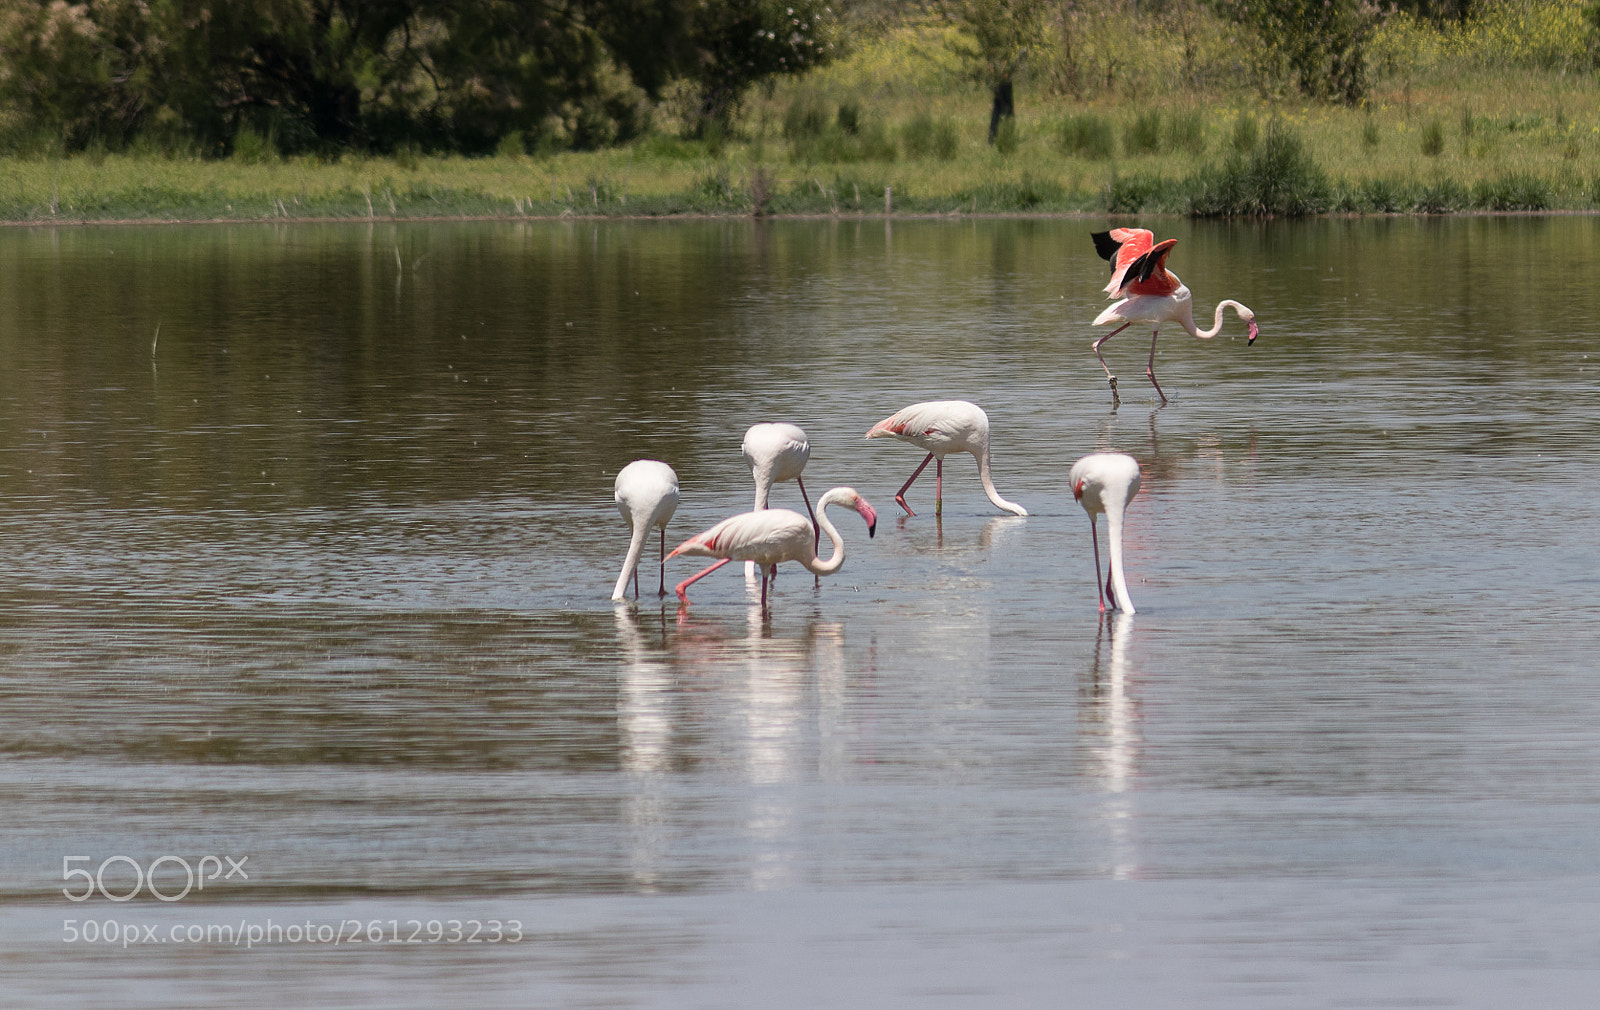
(1186, 131)
(1440, 197)
(1133, 193)
(1026, 193)
(1382, 196)
(1143, 136)
(251, 148)
(1433, 138)
(849, 118)
(924, 136)
(1279, 178)
(1512, 192)
(1245, 134)
(804, 119)
(1086, 136)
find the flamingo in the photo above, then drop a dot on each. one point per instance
(768, 537)
(1150, 293)
(647, 495)
(777, 452)
(1106, 482)
(943, 427)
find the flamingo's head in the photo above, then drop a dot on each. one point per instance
(868, 513)
(1249, 317)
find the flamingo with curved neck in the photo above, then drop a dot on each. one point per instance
(1106, 482)
(1151, 293)
(769, 537)
(943, 427)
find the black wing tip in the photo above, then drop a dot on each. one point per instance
(1106, 246)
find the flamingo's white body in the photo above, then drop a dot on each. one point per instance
(1151, 294)
(1106, 482)
(647, 495)
(942, 427)
(769, 537)
(776, 452)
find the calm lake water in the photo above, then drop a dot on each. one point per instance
(311, 541)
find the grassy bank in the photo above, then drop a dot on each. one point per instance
(1448, 126)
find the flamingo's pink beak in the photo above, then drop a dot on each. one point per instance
(869, 514)
(1255, 331)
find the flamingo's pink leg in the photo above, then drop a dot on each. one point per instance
(663, 591)
(1150, 369)
(1094, 539)
(900, 495)
(816, 530)
(1096, 347)
(938, 487)
(636, 582)
(691, 580)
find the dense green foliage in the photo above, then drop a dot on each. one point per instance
(461, 75)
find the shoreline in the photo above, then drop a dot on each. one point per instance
(124, 222)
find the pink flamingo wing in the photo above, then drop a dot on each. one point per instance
(1133, 243)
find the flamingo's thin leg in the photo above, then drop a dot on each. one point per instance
(1094, 539)
(663, 591)
(816, 530)
(691, 580)
(636, 582)
(900, 495)
(771, 574)
(1096, 346)
(938, 487)
(1150, 369)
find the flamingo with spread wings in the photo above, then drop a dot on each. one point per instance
(1150, 293)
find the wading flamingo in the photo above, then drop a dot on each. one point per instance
(776, 453)
(1106, 482)
(1150, 293)
(771, 536)
(943, 427)
(647, 495)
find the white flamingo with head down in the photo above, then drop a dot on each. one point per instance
(1105, 483)
(647, 495)
(943, 427)
(1152, 294)
(772, 536)
(776, 452)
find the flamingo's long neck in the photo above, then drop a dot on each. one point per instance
(763, 479)
(641, 530)
(1119, 581)
(836, 559)
(988, 483)
(1216, 324)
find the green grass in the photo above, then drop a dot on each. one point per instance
(1444, 130)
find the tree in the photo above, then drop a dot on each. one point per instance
(733, 44)
(995, 40)
(1319, 45)
(442, 74)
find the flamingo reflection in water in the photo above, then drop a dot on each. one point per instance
(1110, 717)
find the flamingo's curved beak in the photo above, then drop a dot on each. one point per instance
(1255, 331)
(870, 514)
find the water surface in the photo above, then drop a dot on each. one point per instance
(312, 537)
